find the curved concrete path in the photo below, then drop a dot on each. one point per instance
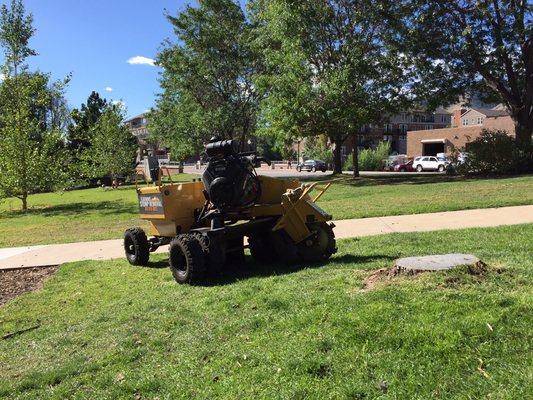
(55, 254)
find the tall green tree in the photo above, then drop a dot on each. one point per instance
(329, 71)
(31, 146)
(456, 46)
(113, 147)
(83, 120)
(206, 82)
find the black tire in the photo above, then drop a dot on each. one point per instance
(403, 170)
(214, 252)
(235, 252)
(419, 168)
(262, 248)
(313, 169)
(186, 258)
(136, 246)
(285, 249)
(299, 169)
(441, 168)
(321, 246)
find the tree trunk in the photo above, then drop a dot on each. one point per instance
(355, 158)
(24, 199)
(523, 129)
(337, 159)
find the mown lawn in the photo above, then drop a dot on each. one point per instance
(95, 214)
(108, 330)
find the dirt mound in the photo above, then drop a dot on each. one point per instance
(15, 282)
(387, 274)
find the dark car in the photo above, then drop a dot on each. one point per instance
(312, 165)
(404, 167)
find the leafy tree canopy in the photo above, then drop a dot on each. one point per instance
(206, 81)
(329, 70)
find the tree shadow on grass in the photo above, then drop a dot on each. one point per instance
(253, 269)
(71, 209)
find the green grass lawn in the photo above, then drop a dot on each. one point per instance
(94, 214)
(111, 331)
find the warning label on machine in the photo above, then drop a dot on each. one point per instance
(151, 203)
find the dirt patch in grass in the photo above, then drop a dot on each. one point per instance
(384, 275)
(15, 282)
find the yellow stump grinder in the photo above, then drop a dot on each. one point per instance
(205, 221)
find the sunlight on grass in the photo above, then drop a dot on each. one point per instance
(110, 330)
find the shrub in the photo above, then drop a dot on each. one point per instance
(369, 159)
(495, 152)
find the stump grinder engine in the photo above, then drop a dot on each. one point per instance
(205, 221)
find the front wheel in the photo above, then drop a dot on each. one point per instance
(136, 246)
(187, 261)
(403, 170)
(419, 168)
(313, 169)
(441, 168)
(299, 169)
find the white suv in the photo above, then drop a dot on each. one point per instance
(429, 163)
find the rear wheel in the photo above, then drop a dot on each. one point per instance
(299, 169)
(136, 246)
(419, 168)
(235, 252)
(214, 252)
(403, 170)
(261, 247)
(187, 261)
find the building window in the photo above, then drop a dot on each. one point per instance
(479, 120)
(387, 138)
(403, 128)
(465, 122)
(428, 127)
(403, 137)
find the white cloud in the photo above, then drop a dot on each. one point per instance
(108, 89)
(141, 60)
(2, 77)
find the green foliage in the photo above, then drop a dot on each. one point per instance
(495, 152)
(328, 70)
(206, 81)
(113, 147)
(16, 30)
(32, 155)
(316, 148)
(459, 47)
(370, 159)
(83, 121)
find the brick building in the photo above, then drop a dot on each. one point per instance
(138, 126)
(431, 142)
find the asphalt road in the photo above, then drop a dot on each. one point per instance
(292, 173)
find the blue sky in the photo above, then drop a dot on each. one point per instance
(94, 40)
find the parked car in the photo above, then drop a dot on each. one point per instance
(429, 163)
(405, 167)
(312, 165)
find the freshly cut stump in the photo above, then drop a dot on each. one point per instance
(436, 262)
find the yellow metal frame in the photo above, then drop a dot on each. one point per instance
(180, 200)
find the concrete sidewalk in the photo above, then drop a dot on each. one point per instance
(35, 256)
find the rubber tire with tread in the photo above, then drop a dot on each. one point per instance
(186, 257)
(419, 168)
(214, 253)
(441, 168)
(136, 246)
(262, 248)
(299, 169)
(313, 169)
